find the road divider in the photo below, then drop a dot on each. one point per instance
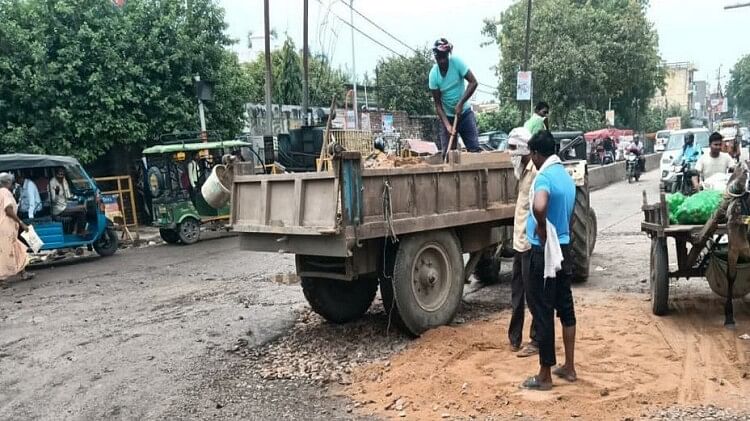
(603, 176)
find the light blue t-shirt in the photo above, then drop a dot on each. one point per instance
(556, 181)
(451, 85)
(690, 154)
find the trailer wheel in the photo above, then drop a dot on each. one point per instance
(189, 231)
(487, 270)
(169, 236)
(583, 229)
(340, 301)
(659, 277)
(426, 283)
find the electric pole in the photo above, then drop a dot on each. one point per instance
(526, 54)
(305, 65)
(354, 65)
(268, 135)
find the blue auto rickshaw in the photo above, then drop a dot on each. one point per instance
(57, 231)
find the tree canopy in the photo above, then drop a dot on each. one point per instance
(402, 83)
(582, 54)
(738, 89)
(79, 76)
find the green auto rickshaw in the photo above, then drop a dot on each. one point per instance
(175, 172)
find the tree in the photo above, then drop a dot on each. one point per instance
(583, 54)
(505, 118)
(80, 76)
(738, 88)
(655, 118)
(288, 78)
(402, 83)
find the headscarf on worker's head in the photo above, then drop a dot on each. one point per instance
(519, 137)
(6, 180)
(442, 46)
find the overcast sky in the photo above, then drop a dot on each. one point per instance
(700, 31)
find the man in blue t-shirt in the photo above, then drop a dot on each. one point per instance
(554, 196)
(451, 97)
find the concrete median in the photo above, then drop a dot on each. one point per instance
(603, 176)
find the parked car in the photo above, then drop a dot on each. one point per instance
(493, 141)
(57, 231)
(662, 138)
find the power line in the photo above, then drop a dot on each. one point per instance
(382, 29)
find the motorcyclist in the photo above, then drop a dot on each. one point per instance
(690, 153)
(636, 147)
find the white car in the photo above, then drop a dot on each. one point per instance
(673, 149)
(662, 138)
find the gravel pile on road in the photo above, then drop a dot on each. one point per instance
(708, 412)
(324, 352)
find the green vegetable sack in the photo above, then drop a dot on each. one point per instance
(696, 209)
(674, 201)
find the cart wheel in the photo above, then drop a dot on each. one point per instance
(659, 277)
(427, 281)
(106, 245)
(582, 234)
(340, 301)
(169, 236)
(189, 231)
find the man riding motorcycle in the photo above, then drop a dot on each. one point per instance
(688, 158)
(636, 147)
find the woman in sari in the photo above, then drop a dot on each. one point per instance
(13, 257)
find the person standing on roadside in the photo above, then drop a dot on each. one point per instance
(525, 172)
(451, 97)
(538, 121)
(13, 257)
(552, 199)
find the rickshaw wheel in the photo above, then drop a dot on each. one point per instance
(189, 231)
(659, 277)
(169, 236)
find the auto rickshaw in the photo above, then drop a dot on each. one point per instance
(175, 172)
(57, 231)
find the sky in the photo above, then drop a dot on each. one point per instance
(698, 31)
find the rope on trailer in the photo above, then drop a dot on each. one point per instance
(391, 235)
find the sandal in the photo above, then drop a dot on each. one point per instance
(528, 351)
(564, 374)
(533, 383)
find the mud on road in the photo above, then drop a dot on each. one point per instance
(209, 332)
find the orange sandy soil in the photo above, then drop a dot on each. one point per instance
(629, 363)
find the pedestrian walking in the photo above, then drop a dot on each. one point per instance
(552, 198)
(13, 257)
(525, 172)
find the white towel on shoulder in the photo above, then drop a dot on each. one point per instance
(553, 256)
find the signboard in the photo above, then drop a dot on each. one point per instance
(523, 86)
(350, 122)
(364, 121)
(610, 116)
(387, 123)
(673, 123)
(112, 205)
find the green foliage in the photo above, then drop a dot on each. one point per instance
(324, 80)
(738, 89)
(584, 120)
(583, 53)
(506, 118)
(654, 119)
(402, 83)
(80, 76)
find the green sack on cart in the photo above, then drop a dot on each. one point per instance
(674, 201)
(698, 208)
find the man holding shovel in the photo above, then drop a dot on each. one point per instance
(451, 98)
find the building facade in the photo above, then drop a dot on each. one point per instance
(679, 89)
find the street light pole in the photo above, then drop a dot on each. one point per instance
(526, 51)
(305, 65)
(268, 134)
(354, 65)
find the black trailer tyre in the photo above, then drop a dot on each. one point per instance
(169, 236)
(659, 278)
(189, 231)
(106, 245)
(580, 236)
(487, 270)
(427, 281)
(340, 301)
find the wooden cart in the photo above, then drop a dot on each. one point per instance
(694, 245)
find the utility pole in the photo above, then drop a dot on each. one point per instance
(201, 114)
(268, 135)
(354, 65)
(736, 6)
(526, 53)
(305, 65)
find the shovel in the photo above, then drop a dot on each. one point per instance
(452, 138)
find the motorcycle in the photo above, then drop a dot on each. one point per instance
(632, 167)
(683, 178)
